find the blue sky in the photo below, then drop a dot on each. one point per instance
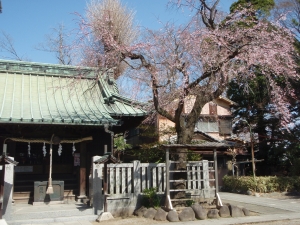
(28, 21)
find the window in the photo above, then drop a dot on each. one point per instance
(213, 109)
(207, 124)
(225, 126)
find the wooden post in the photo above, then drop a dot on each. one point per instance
(136, 177)
(216, 171)
(82, 173)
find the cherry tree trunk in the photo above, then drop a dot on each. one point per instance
(184, 136)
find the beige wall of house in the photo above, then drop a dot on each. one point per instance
(223, 109)
(164, 126)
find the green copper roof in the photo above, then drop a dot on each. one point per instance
(55, 94)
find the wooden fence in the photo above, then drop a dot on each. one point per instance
(126, 182)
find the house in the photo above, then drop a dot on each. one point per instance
(75, 111)
(214, 127)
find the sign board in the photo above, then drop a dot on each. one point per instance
(23, 169)
(77, 159)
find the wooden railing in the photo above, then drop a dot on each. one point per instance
(128, 180)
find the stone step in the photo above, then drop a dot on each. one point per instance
(28, 193)
(27, 197)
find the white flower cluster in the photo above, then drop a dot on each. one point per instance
(74, 149)
(29, 149)
(44, 150)
(59, 150)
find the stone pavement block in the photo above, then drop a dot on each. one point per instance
(84, 222)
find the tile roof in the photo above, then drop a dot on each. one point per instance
(56, 94)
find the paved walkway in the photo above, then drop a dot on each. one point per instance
(269, 209)
(62, 223)
(291, 204)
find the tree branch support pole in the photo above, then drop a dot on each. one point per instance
(216, 171)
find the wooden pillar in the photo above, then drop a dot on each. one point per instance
(216, 171)
(82, 172)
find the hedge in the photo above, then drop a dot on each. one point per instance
(262, 184)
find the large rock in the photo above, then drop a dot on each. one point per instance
(236, 211)
(140, 212)
(213, 214)
(172, 216)
(187, 214)
(161, 215)
(224, 211)
(150, 213)
(103, 217)
(200, 212)
(246, 212)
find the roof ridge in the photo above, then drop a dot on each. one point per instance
(47, 69)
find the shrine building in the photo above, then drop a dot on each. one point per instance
(77, 109)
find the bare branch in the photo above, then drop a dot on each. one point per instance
(7, 46)
(56, 43)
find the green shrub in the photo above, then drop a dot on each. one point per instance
(150, 198)
(261, 184)
(189, 202)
